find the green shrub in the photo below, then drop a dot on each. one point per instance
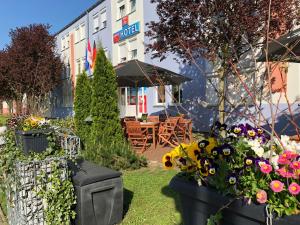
(82, 106)
(104, 109)
(114, 155)
(66, 123)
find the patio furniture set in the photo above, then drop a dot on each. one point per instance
(156, 130)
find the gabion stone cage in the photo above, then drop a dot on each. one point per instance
(70, 143)
(25, 207)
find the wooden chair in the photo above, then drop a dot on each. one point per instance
(183, 129)
(153, 119)
(137, 138)
(166, 133)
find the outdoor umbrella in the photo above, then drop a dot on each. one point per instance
(286, 48)
(136, 74)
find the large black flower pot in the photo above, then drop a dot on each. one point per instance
(199, 202)
(32, 141)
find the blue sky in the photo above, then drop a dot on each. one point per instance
(58, 13)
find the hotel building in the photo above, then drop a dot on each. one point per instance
(118, 26)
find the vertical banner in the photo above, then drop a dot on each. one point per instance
(142, 100)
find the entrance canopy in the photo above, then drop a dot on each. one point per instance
(135, 73)
(286, 48)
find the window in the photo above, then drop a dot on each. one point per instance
(161, 95)
(176, 94)
(103, 20)
(123, 53)
(77, 34)
(63, 43)
(133, 54)
(68, 41)
(82, 31)
(133, 49)
(123, 96)
(131, 96)
(96, 22)
(122, 12)
(132, 5)
(82, 64)
(78, 66)
(278, 76)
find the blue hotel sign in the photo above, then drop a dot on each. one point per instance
(126, 32)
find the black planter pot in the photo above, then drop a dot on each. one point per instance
(32, 141)
(198, 203)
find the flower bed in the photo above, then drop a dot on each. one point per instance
(243, 162)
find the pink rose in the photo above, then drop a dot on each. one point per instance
(261, 196)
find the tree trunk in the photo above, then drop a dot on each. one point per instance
(19, 106)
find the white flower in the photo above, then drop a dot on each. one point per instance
(274, 159)
(256, 147)
(259, 151)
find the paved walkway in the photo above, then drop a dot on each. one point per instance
(154, 156)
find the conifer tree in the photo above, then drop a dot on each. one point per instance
(82, 106)
(104, 110)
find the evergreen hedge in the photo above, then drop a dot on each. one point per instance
(104, 110)
(82, 106)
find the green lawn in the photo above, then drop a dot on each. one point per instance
(3, 119)
(148, 200)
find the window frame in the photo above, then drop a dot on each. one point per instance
(180, 97)
(77, 34)
(103, 24)
(123, 59)
(120, 16)
(96, 18)
(131, 8)
(68, 41)
(82, 31)
(157, 103)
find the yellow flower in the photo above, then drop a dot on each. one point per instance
(179, 151)
(33, 123)
(193, 151)
(168, 161)
(212, 143)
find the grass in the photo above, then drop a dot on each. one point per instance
(148, 199)
(3, 119)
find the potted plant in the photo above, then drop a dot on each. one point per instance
(238, 178)
(31, 134)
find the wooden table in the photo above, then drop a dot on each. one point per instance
(151, 125)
